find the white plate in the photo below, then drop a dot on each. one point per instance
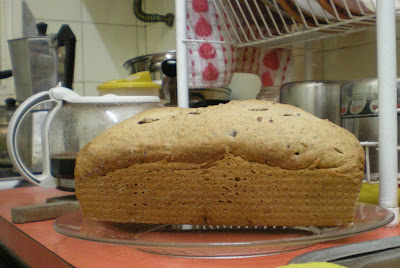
(361, 6)
(313, 7)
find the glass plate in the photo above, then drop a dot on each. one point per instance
(217, 241)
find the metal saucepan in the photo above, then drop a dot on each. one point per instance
(5, 74)
(149, 62)
(320, 98)
(153, 63)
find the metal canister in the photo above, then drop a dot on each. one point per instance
(320, 98)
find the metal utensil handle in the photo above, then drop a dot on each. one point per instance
(5, 74)
(67, 38)
(45, 179)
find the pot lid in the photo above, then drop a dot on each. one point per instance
(64, 94)
(142, 59)
(135, 81)
(159, 57)
(154, 57)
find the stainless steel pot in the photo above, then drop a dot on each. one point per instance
(138, 64)
(359, 114)
(149, 62)
(320, 98)
(153, 64)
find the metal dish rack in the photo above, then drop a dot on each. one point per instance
(282, 23)
(281, 29)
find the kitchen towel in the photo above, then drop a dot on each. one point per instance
(211, 64)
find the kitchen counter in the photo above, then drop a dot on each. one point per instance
(38, 245)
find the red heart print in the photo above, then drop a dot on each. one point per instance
(210, 73)
(203, 27)
(207, 51)
(271, 60)
(200, 5)
(266, 79)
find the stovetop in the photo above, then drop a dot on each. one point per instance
(8, 171)
(9, 178)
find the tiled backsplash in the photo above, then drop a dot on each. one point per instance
(108, 34)
(347, 57)
(159, 37)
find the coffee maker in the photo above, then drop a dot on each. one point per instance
(38, 64)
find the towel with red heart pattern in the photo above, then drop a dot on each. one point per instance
(212, 62)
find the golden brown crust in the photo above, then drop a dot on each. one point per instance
(264, 132)
(241, 163)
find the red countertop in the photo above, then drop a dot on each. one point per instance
(40, 246)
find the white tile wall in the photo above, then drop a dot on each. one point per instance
(106, 47)
(153, 31)
(350, 63)
(353, 56)
(56, 10)
(141, 40)
(9, 12)
(109, 12)
(78, 88)
(107, 35)
(317, 68)
(355, 39)
(160, 37)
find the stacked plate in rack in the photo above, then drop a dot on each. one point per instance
(312, 12)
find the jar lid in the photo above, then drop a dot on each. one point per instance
(140, 80)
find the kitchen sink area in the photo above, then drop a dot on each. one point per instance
(13, 182)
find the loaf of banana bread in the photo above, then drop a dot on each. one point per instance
(244, 163)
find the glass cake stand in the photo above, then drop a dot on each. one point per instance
(217, 241)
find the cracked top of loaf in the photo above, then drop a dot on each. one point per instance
(274, 134)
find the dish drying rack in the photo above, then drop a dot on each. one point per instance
(266, 23)
(297, 22)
